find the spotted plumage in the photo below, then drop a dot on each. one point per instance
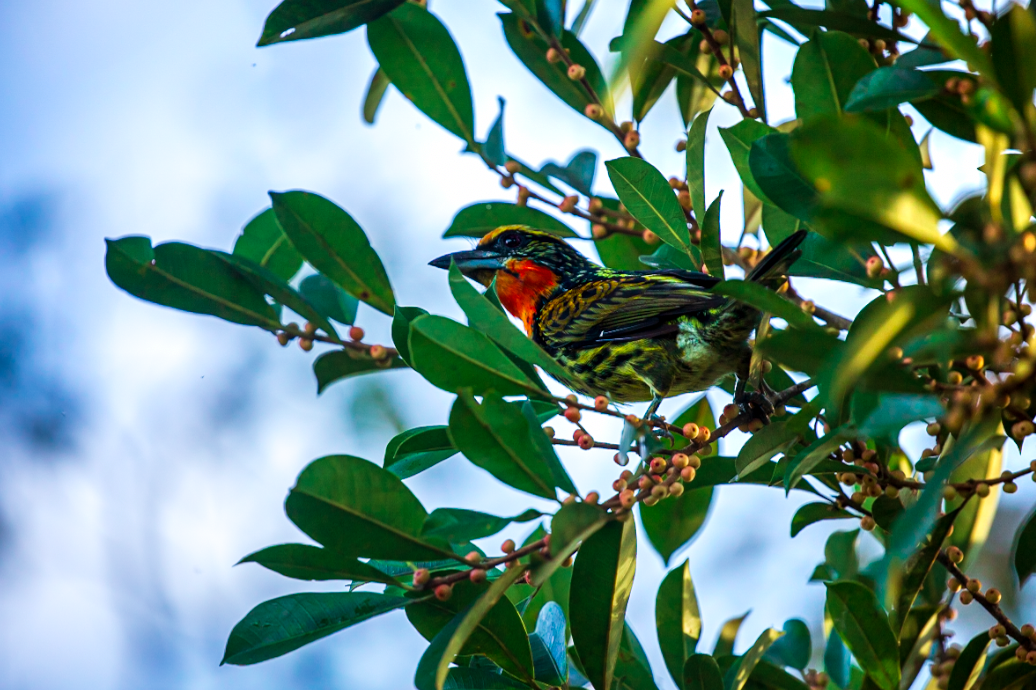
(629, 335)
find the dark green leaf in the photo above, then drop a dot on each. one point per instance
(284, 624)
(836, 660)
(701, 672)
(654, 77)
(550, 14)
(863, 625)
(1014, 55)
(895, 410)
(401, 329)
(578, 173)
(263, 241)
(570, 527)
(677, 620)
(540, 440)
(910, 579)
(465, 678)
(925, 54)
(825, 71)
(727, 637)
(601, 581)
(478, 219)
(555, 588)
(337, 365)
(531, 49)
(818, 451)
(375, 94)
(333, 243)
(739, 140)
(887, 87)
(779, 178)
(632, 669)
(812, 513)
(970, 663)
(548, 642)
(823, 258)
(696, 163)
(417, 53)
(837, 21)
(673, 523)
(355, 508)
(711, 247)
(305, 562)
(1010, 675)
(188, 278)
(496, 436)
(793, 649)
(738, 674)
(494, 149)
(1024, 549)
(798, 350)
(947, 113)
(328, 299)
(452, 356)
(416, 450)
(744, 22)
(947, 33)
(490, 623)
(765, 299)
(294, 20)
(650, 199)
(458, 525)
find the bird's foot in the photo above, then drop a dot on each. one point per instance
(659, 429)
(757, 405)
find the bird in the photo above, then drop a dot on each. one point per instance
(631, 336)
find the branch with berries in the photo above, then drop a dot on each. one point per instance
(714, 40)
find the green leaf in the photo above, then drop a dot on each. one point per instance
(696, 163)
(887, 87)
(570, 527)
(864, 173)
(334, 244)
(673, 523)
(836, 660)
(493, 149)
(458, 525)
(401, 329)
(701, 672)
(328, 299)
(548, 642)
(531, 49)
(489, 621)
(1024, 549)
(760, 448)
(496, 436)
(727, 637)
(677, 620)
(294, 20)
(895, 410)
(1009, 675)
(417, 53)
(305, 562)
(489, 320)
(812, 513)
(355, 508)
(825, 71)
(338, 365)
(188, 278)
(375, 94)
(465, 678)
(970, 663)
(601, 581)
(765, 299)
(837, 21)
(926, 54)
(863, 625)
(578, 173)
(1014, 55)
(799, 350)
(550, 15)
(743, 21)
(779, 178)
(711, 247)
(947, 33)
(263, 241)
(794, 649)
(478, 219)
(654, 77)
(281, 293)
(823, 258)
(738, 674)
(650, 199)
(417, 450)
(534, 417)
(903, 584)
(803, 463)
(632, 669)
(284, 624)
(739, 140)
(452, 356)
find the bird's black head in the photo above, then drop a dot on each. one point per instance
(516, 249)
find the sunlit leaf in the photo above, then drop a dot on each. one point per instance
(677, 620)
(549, 645)
(696, 163)
(376, 91)
(743, 20)
(738, 674)
(970, 663)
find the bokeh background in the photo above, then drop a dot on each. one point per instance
(144, 451)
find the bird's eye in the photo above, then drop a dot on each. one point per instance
(512, 241)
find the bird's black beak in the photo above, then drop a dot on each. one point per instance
(471, 262)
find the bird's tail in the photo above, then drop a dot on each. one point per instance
(772, 270)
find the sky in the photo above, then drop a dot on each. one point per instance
(146, 450)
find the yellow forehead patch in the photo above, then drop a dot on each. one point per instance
(493, 234)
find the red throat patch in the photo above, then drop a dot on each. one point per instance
(521, 286)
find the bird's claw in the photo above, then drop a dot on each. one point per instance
(757, 405)
(659, 428)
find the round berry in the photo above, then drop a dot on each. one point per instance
(867, 523)
(966, 597)
(690, 430)
(421, 577)
(477, 575)
(955, 554)
(586, 441)
(378, 352)
(627, 498)
(593, 111)
(306, 344)
(443, 592)
(507, 546)
(726, 72)
(649, 237)
(687, 474)
(283, 338)
(680, 460)
(676, 489)
(698, 17)
(576, 72)
(994, 597)
(573, 415)
(658, 465)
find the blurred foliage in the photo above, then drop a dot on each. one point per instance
(945, 341)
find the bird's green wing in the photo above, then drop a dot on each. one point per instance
(620, 308)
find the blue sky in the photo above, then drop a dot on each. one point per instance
(148, 450)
